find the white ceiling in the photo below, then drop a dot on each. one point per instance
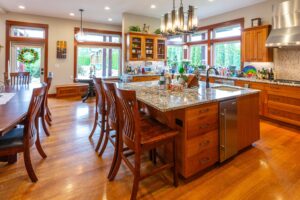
(95, 12)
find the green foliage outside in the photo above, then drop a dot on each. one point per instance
(228, 54)
(196, 55)
(175, 56)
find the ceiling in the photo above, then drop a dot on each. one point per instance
(95, 12)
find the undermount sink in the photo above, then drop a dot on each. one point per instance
(227, 88)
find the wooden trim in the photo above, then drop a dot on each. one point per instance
(103, 44)
(259, 27)
(145, 34)
(10, 39)
(237, 38)
(99, 31)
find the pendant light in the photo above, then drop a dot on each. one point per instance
(80, 37)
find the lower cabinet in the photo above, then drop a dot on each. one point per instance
(144, 78)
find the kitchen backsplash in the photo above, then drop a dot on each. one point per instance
(287, 63)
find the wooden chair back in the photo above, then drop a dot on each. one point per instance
(20, 78)
(129, 118)
(100, 95)
(45, 102)
(110, 97)
(35, 106)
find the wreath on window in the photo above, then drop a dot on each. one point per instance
(28, 56)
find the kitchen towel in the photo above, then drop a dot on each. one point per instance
(5, 97)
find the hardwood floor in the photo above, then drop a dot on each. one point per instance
(270, 170)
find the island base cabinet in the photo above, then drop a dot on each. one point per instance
(248, 120)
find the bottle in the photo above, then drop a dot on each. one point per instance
(271, 76)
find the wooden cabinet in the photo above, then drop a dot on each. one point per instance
(253, 45)
(144, 78)
(145, 47)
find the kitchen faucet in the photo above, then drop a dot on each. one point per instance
(207, 75)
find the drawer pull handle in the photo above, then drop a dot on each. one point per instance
(205, 143)
(204, 110)
(205, 160)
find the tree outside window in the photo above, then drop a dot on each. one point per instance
(227, 54)
(198, 55)
(175, 57)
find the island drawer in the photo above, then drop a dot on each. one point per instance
(198, 144)
(201, 161)
(203, 110)
(201, 125)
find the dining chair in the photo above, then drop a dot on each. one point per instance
(111, 131)
(48, 114)
(19, 78)
(20, 139)
(100, 114)
(140, 135)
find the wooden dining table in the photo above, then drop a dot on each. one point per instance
(15, 110)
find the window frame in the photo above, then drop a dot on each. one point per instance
(96, 44)
(211, 41)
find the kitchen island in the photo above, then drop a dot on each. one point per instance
(207, 130)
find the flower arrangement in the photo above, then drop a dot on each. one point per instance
(28, 56)
(182, 78)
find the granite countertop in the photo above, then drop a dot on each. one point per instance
(137, 75)
(164, 100)
(253, 80)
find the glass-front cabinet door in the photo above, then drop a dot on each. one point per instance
(149, 48)
(136, 48)
(161, 49)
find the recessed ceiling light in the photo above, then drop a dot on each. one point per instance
(107, 8)
(22, 7)
(153, 6)
(109, 19)
(211, 0)
(72, 14)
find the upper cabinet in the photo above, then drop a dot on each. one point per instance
(254, 45)
(145, 47)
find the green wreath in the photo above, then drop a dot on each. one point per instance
(28, 56)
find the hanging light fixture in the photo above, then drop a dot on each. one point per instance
(178, 22)
(80, 37)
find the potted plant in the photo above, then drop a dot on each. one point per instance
(134, 29)
(182, 78)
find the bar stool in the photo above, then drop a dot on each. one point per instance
(100, 115)
(140, 135)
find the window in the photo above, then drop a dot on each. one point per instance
(27, 32)
(175, 56)
(175, 39)
(98, 37)
(228, 54)
(228, 31)
(200, 36)
(198, 55)
(98, 61)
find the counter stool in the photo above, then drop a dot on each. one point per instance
(140, 135)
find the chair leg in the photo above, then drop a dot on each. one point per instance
(175, 174)
(102, 132)
(45, 126)
(28, 166)
(136, 179)
(49, 117)
(95, 125)
(154, 156)
(39, 147)
(105, 140)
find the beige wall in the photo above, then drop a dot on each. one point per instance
(59, 29)
(262, 10)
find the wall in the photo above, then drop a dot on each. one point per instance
(262, 10)
(136, 20)
(59, 29)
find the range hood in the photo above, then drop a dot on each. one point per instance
(286, 25)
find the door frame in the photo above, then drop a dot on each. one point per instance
(42, 41)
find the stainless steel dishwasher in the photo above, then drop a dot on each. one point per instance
(228, 129)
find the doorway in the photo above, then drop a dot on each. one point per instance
(35, 68)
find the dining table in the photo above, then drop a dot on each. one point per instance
(14, 109)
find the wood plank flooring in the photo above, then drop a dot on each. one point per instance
(270, 170)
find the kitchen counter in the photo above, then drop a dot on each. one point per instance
(199, 116)
(165, 100)
(254, 80)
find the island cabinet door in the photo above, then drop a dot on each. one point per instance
(248, 120)
(201, 139)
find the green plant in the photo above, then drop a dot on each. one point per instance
(158, 31)
(134, 29)
(182, 75)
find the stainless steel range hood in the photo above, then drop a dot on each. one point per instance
(286, 25)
